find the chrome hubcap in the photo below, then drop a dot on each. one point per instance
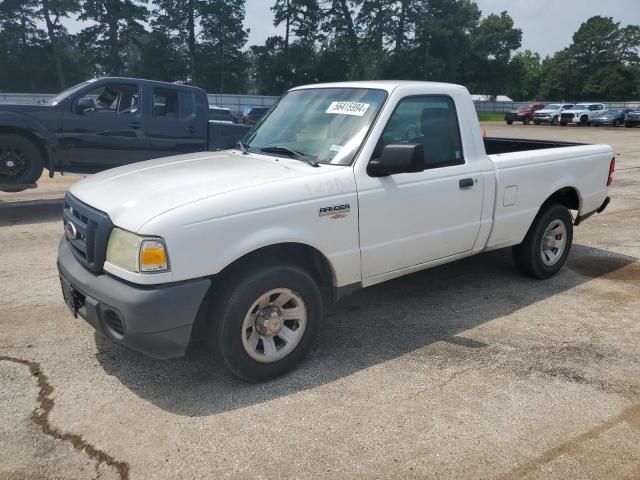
(274, 325)
(554, 242)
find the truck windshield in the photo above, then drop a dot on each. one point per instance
(325, 124)
(69, 91)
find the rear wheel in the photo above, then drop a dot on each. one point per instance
(616, 123)
(21, 161)
(628, 126)
(547, 243)
(563, 124)
(264, 320)
(509, 122)
(526, 120)
(537, 122)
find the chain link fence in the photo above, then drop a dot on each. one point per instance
(236, 103)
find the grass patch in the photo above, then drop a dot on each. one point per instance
(490, 116)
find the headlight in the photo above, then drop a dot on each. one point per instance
(135, 253)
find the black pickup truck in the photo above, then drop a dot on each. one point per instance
(105, 123)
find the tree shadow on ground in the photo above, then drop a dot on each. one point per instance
(372, 326)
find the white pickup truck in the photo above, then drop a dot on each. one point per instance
(331, 192)
(582, 114)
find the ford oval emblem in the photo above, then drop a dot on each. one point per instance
(70, 231)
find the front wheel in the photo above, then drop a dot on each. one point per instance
(264, 320)
(509, 122)
(547, 243)
(20, 160)
(554, 121)
(616, 123)
(563, 124)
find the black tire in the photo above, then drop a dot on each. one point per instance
(583, 121)
(554, 121)
(528, 256)
(616, 123)
(231, 304)
(536, 122)
(509, 122)
(21, 161)
(629, 126)
(526, 120)
(563, 124)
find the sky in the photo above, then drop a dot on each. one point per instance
(547, 25)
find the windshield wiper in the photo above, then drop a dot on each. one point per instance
(243, 147)
(291, 153)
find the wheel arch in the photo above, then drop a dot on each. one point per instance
(305, 256)
(38, 141)
(567, 196)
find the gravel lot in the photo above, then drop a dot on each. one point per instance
(464, 371)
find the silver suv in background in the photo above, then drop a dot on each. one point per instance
(551, 113)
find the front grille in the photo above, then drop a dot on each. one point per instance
(567, 116)
(92, 229)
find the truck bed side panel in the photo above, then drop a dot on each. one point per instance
(525, 180)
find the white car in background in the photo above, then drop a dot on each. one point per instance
(582, 114)
(551, 113)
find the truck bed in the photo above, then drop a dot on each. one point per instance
(496, 146)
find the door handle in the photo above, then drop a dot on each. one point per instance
(135, 125)
(466, 183)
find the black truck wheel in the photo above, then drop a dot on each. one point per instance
(554, 121)
(264, 319)
(509, 122)
(546, 246)
(526, 120)
(21, 161)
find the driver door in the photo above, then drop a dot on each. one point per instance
(104, 128)
(410, 219)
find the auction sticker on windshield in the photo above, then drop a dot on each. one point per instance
(348, 108)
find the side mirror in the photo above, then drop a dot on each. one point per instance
(86, 104)
(398, 158)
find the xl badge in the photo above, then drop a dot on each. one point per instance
(70, 231)
(337, 211)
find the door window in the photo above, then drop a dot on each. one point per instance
(111, 99)
(165, 103)
(431, 121)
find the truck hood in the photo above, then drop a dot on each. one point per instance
(547, 111)
(25, 107)
(134, 194)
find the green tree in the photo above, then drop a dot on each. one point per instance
(116, 24)
(53, 11)
(525, 76)
(375, 22)
(491, 46)
(340, 40)
(223, 38)
(301, 20)
(442, 38)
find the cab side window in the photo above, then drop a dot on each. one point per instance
(165, 103)
(111, 99)
(428, 120)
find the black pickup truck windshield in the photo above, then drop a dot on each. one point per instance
(325, 124)
(69, 91)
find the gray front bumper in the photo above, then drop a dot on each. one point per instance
(156, 320)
